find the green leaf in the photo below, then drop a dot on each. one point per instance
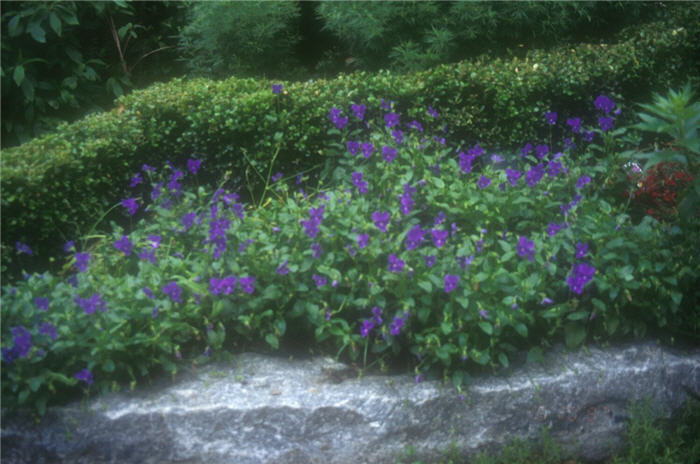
(18, 75)
(35, 382)
(446, 328)
(521, 329)
(574, 334)
(486, 327)
(578, 315)
(598, 304)
(272, 340)
(37, 32)
(13, 26)
(535, 355)
(108, 366)
(425, 285)
(423, 314)
(463, 301)
(480, 277)
(677, 297)
(503, 359)
(28, 90)
(55, 23)
(438, 183)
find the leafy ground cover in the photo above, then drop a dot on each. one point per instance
(450, 257)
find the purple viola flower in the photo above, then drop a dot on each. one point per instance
(69, 246)
(430, 260)
(247, 284)
(154, 240)
(90, 305)
(541, 151)
(174, 291)
(512, 175)
(398, 136)
(582, 181)
(581, 250)
(148, 292)
(534, 175)
(386, 104)
(147, 168)
(366, 327)
(226, 285)
(483, 182)
(588, 136)
(148, 255)
(496, 159)
(526, 150)
(554, 168)
(388, 153)
(551, 118)
(451, 282)
(546, 301)
(439, 237)
(395, 264)
(23, 248)
(351, 251)
(381, 219)
(81, 261)
(568, 143)
(553, 228)
(48, 329)
(475, 151)
(359, 111)
(367, 149)
(193, 165)
(606, 123)
(188, 220)
(414, 237)
(359, 183)
(526, 248)
(575, 124)
(432, 112)
(23, 341)
(283, 269)
(353, 147)
(317, 250)
(398, 324)
(465, 162)
(483, 314)
(244, 245)
(362, 240)
(604, 103)
(415, 125)
(85, 375)
(439, 219)
(276, 88)
(310, 227)
(391, 119)
(581, 274)
(377, 315)
(136, 180)
(42, 303)
(319, 280)
(124, 245)
(316, 214)
(405, 203)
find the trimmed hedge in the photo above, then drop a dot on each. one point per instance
(57, 186)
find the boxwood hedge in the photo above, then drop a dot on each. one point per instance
(58, 186)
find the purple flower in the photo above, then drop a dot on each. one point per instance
(81, 261)
(362, 240)
(136, 180)
(226, 285)
(439, 237)
(85, 375)
(124, 245)
(398, 136)
(575, 124)
(604, 103)
(432, 112)
(385, 104)
(90, 305)
(48, 329)
(583, 180)
(440, 218)
(483, 182)
(359, 111)
(359, 183)
(395, 264)
(381, 220)
(276, 88)
(554, 168)
(397, 325)
(23, 342)
(588, 136)
(244, 245)
(148, 292)
(69, 246)
(483, 314)
(22, 248)
(193, 165)
(526, 150)
(465, 162)
(429, 260)
(353, 147)
(546, 301)
(320, 280)
(475, 151)
(310, 227)
(414, 237)
(317, 250)
(580, 275)
(534, 174)
(283, 269)
(174, 291)
(367, 326)
(148, 255)
(553, 228)
(526, 248)
(581, 250)
(495, 159)
(388, 153)
(551, 118)
(377, 315)
(606, 123)
(451, 282)
(367, 149)
(247, 284)
(155, 240)
(42, 303)
(513, 176)
(416, 125)
(147, 168)
(541, 151)
(406, 203)
(391, 119)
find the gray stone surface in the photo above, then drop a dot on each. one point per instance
(263, 409)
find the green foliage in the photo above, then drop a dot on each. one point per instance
(224, 39)
(59, 64)
(504, 302)
(67, 177)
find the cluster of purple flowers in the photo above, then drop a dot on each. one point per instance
(359, 182)
(315, 219)
(406, 199)
(90, 305)
(336, 118)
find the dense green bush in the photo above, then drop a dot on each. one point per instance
(57, 186)
(454, 259)
(224, 39)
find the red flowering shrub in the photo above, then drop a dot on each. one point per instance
(656, 194)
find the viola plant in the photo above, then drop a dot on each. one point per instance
(454, 256)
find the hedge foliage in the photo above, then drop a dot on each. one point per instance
(59, 185)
